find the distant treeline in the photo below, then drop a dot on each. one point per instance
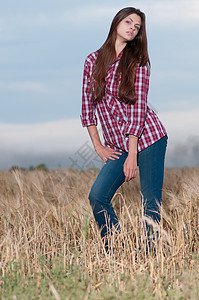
(31, 168)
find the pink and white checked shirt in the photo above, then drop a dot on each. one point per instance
(118, 119)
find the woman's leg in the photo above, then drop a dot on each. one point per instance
(108, 181)
(151, 169)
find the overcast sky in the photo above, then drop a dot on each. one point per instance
(43, 44)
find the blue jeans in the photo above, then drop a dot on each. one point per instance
(111, 177)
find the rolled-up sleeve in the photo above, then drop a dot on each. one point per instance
(88, 113)
(136, 113)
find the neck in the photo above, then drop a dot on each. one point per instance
(119, 46)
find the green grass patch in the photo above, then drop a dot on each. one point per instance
(53, 281)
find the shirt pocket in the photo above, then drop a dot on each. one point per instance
(117, 110)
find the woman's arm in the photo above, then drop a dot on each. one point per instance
(103, 151)
(130, 165)
(88, 115)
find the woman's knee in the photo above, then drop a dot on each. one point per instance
(97, 196)
(92, 197)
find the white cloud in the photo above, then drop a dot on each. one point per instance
(181, 124)
(184, 13)
(48, 137)
(32, 86)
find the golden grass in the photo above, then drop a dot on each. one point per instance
(47, 214)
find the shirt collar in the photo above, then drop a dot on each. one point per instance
(119, 57)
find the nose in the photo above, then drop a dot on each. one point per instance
(132, 27)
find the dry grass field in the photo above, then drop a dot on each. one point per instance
(50, 246)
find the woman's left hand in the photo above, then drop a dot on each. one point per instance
(130, 167)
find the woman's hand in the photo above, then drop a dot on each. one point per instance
(130, 167)
(107, 153)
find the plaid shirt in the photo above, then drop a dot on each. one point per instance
(118, 119)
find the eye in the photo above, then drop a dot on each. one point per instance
(128, 22)
(137, 28)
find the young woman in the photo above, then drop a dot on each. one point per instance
(115, 84)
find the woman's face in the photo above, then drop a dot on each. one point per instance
(128, 28)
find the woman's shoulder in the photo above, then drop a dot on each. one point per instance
(144, 69)
(91, 58)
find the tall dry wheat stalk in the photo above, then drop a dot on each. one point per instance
(47, 215)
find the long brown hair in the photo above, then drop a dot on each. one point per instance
(134, 53)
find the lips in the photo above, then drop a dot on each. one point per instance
(130, 33)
